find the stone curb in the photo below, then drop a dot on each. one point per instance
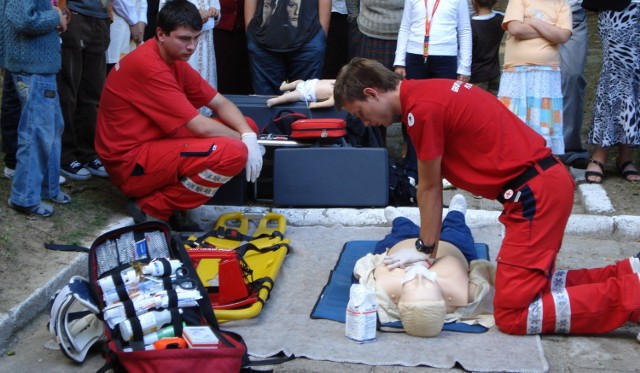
(26, 311)
(622, 226)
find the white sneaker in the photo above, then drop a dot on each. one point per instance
(9, 172)
(446, 184)
(458, 203)
(391, 213)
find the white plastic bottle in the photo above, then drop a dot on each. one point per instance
(129, 277)
(361, 317)
(157, 268)
(150, 322)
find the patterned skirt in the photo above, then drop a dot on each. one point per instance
(534, 94)
(616, 112)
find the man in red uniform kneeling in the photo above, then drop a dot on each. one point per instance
(464, 134)
(157, 148)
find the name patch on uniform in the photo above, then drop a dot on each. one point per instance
(49, 93)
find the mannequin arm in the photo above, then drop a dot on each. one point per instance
(288, 97)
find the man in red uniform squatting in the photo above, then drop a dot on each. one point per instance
(464, 134)
(156, 146)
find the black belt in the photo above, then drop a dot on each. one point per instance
(508, 192)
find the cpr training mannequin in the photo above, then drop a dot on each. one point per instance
(317, 92)
(457, 287)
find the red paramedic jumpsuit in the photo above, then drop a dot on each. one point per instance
(484, 147)
(144, 144)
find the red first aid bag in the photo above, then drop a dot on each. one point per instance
(140, 273)
(318, 129)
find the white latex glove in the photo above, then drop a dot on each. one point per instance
(403, 258)
(254, 160)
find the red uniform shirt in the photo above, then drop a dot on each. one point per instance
(145, 99)
(483, 145)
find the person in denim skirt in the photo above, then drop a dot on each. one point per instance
(30, 50)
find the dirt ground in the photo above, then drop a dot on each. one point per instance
(25, 264)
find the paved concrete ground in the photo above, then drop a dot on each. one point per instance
(592, 240)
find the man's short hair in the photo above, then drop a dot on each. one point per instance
(179, 13)
(359, 74)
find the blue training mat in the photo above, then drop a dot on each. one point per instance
(332, 303)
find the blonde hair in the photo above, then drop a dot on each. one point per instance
(422, 318)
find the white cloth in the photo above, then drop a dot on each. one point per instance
(133, 11)
(339, 6)
(307, 90)
(449, 34)
(126, 13)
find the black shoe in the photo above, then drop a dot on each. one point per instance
(135, 212)
(96, 168)
(179, 223)
(75, 171)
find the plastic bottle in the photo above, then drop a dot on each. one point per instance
(150, 322)
(115, 313)
(129, 277)
(360, 323)
(159, 267)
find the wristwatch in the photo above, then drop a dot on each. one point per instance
(421, 247)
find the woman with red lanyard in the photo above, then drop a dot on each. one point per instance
(434, 41)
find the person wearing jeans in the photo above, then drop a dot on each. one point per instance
(573, 58)
(30, 50)
(286, 41)
(9, 119)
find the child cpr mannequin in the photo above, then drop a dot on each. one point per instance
(317, 92)
(423, 297)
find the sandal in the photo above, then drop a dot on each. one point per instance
(631, 172)
(42, 210)
(594, 174)
(62, 198)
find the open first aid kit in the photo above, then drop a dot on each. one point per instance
(145, 295)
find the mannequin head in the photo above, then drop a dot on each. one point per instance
(422, 307)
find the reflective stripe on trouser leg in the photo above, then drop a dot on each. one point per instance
(561, 303)
(208, 175)
(534, 317)
(563, 311)
(559, 280)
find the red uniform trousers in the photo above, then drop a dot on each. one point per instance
(181, 173)
(530, 297)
